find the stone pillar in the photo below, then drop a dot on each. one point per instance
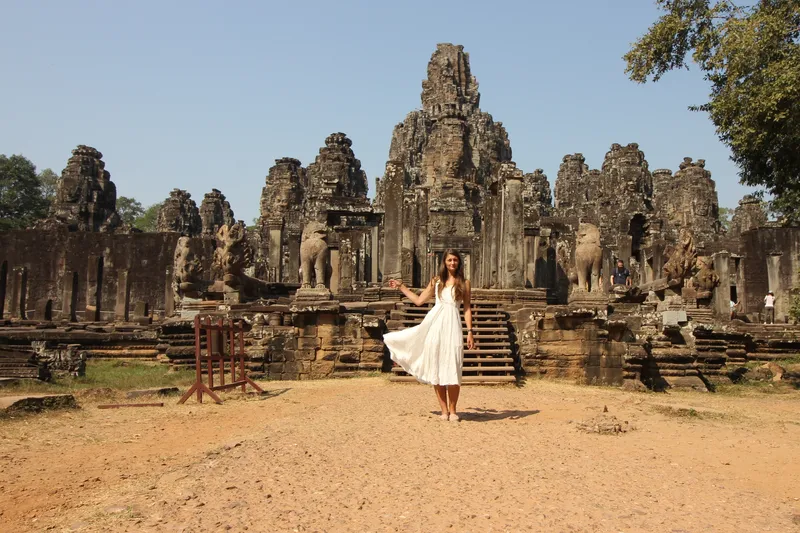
(408, 237)
(492, 241)
(608, 267)
(392, 221)
(169, 295)
(123, 296)
(421, 277)
(533, 258)
(625, 244)
(3, 284)
(722, 294)
(19, 293)
(345, 267)
(69, 305)
(658, 260)
(774, 284)
(513, 233)
(373, 275)
(94, 289)
(293, 265)
(275, 256)
(335, 271)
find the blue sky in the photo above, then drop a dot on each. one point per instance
(198, 94)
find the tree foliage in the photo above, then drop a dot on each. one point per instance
(129, 209)
(49, 181)
(148, 219)
(21, 199)
(751, 56)
(725, 217)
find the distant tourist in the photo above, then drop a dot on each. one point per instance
(620, 275)
(734, 308)
(433, 351)
(769, 308)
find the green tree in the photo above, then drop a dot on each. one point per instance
(21, 200)
(725, 215)
(129, 209)
(750, 54)
(148, 219)
(49, 181)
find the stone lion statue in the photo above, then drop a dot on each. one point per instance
(682, 262)
(314, 254)
(588, 257)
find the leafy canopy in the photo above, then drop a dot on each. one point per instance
(21, 199)
(751, 56)
(148, 219)
(129, 209)
(49, 181)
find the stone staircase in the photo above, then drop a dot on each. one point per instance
(18, 363)
(492, 360)
(772, 341)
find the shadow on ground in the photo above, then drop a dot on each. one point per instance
(485, 415)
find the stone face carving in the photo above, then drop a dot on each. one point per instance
(450, 143)
(682, 261)
(706, 278)
(749, 214)
(86, 198)
(688, 200)
(215, 212)
(536, 197)
(187, 270)
(335, 179)
(588, 258)
(179, 214)
(314, 254)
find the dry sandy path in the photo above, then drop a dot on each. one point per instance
(368, 455)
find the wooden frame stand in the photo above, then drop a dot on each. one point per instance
(217, 337)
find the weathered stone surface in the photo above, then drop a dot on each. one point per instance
(688, 200)
(34, 403)
(215, 212)
(335, 179)
(179, 214)
(536, 197)
(683, 259)
(588, 258)
(86, 198)
(314, 255)
(161, 391)
(751, 213)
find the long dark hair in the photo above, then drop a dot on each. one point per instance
(444, 275)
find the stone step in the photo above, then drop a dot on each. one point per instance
(487, 353)
(486, 360)
(477, 304)
(476, 328)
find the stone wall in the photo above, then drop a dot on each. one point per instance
(771, 259)
(89, 276)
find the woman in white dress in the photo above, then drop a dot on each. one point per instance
(433, 351)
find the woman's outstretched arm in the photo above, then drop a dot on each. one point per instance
(418, 300)
(468, 315)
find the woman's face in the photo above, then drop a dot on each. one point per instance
(451, 262)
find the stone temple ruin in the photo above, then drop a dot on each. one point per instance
(311, 277)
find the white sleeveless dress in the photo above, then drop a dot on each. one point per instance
(433, 351)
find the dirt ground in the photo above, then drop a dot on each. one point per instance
(368, 455)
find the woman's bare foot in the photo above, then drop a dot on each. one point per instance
(443, 416)
(454, 418)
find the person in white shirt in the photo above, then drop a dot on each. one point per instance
(734, 305)
(769, 308)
